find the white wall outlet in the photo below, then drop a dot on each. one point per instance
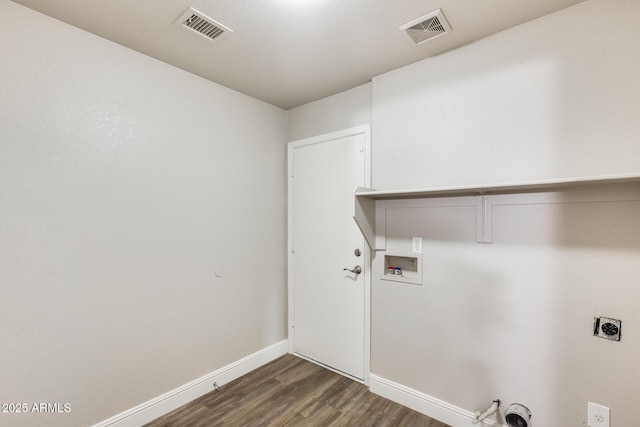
(417, 245)
(598, 415)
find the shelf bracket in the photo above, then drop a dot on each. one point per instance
(485, 220)
(365, 216)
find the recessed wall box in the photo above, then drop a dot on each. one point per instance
(402, 267)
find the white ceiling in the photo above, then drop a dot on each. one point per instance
(290, 52)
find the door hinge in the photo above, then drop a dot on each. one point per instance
(292, 246)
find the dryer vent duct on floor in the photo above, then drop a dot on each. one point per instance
(426, 27)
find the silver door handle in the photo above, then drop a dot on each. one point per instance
(357, 269)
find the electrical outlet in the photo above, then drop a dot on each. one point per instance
(598, 415)
(417, 245)
(607, 328)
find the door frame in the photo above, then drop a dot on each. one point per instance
(364, 130)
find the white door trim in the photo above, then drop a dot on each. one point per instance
(357, 130)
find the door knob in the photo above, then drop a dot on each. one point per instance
(357, 269)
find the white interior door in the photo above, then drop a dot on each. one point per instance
(328, 306)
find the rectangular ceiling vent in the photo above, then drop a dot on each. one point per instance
(202, 25)
(426, 27)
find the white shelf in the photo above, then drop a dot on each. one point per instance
(365, 198)
(485, 189)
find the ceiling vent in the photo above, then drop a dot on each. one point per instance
(426, 27)
(201, 24)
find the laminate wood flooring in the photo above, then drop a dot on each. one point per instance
(291, 391)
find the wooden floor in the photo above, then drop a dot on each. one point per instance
(291, 391)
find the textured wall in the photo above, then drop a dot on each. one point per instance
(513, 319)
(548, 99)
(342, 111)
(552, 98)
(124, 182)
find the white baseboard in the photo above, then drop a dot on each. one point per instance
(161, 405)
(425, 404)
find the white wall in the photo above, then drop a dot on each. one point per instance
(341, 111)
(557, 97)
(513, 319)
(124, 182)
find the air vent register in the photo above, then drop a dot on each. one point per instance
(202, 25)
(426, 27)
